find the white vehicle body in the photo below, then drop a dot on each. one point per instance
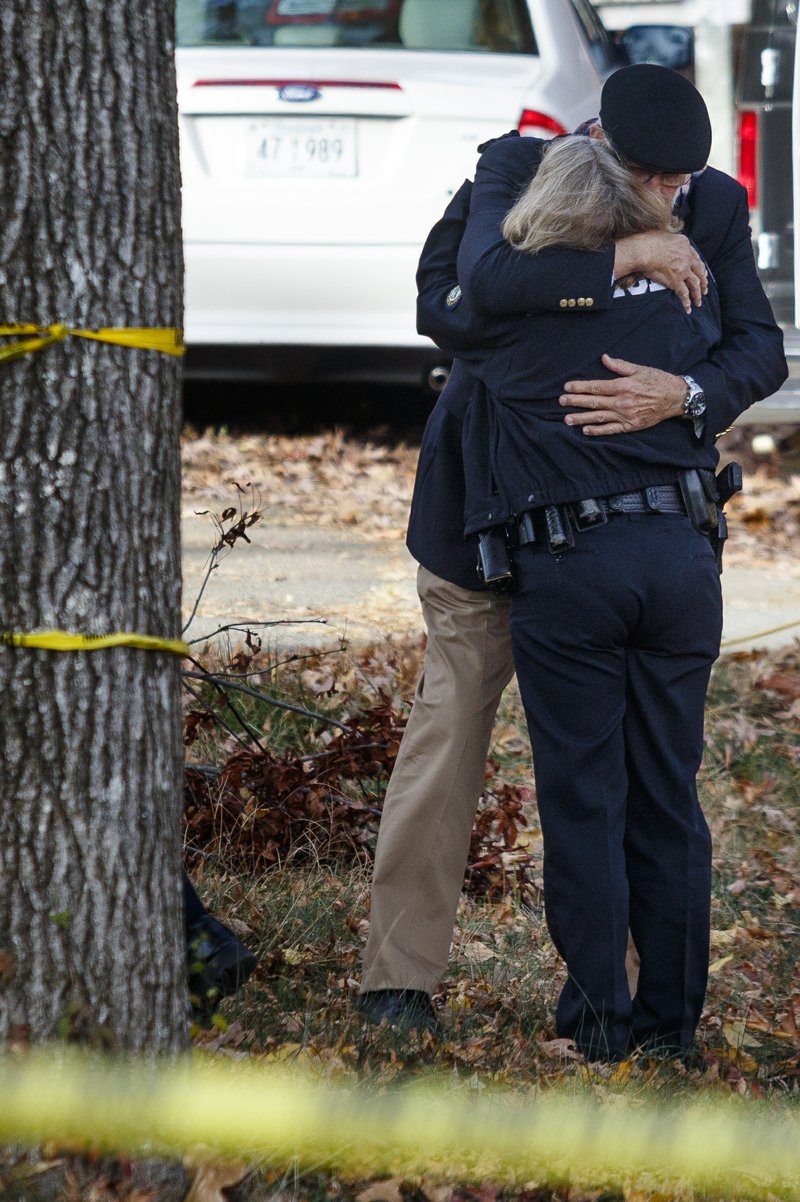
(312, 173)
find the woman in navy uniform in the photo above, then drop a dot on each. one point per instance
(616, 618)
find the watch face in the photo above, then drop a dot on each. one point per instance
(695, 403)
(695, 406)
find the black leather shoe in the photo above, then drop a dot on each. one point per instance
(406, 1009)
(218, 964)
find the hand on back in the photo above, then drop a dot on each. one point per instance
(669, 259)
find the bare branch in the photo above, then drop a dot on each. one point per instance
(212, 713)
(221, 682)
(243, 627)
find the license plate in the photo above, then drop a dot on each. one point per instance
(302, 147)
(305, 8)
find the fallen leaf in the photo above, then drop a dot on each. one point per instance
(563, 1049)
(725, 938)
(738, 886)
(294, 956)
(436, 1192)
(720, 964)
(211, 1179)
(787, 684)
(762, 934)
(742, 1060)
(736, 1035)
(478, 952)
(771, 1030)
(621, 1073)
(382, 1191)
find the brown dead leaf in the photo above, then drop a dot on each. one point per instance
(725, 938)
(477, 952)
(435, 1191)
(319, 683)
(211, 1179)
(758, 516)
(770, 1029)
(238, 926)
(221, 1038)
(487, 1191)
(786, 684)
(561, 1049)
(383, 1191)
(736, 1035)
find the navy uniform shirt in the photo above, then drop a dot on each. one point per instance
(519, 453)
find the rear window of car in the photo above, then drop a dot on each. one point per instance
(495, 26)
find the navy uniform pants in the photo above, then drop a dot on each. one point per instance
(613, 643)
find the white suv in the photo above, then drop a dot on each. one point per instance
(321, 139)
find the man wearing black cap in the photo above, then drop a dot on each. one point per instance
(658, 124)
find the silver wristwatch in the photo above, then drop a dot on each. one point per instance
(695, 403)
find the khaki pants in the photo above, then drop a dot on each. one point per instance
(435, 786)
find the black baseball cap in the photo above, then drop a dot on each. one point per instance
(656, 118)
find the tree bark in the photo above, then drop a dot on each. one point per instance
(90, 743)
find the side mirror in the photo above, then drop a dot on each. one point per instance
(667, 45)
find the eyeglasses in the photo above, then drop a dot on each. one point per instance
(667, 180)
(644, 174)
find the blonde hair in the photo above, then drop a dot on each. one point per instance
(584, 198)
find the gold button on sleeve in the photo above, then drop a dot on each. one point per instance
(563, 302)
(589, 301)
(572, 302)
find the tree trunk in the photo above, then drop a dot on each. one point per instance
(90, 743)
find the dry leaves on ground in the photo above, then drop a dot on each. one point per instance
(327, 478)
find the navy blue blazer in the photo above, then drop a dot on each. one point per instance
(747, 365)
(518, 452)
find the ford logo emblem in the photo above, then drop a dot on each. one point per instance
(298, 93)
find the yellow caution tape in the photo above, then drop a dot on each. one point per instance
(446, 1129)
(167, 341)
(62, 640)
(759, 634)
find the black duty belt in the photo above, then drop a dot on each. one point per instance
(555, 524)
(656, 498)
(699, 494)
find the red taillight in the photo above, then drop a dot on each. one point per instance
(539, 125)
(748, 145)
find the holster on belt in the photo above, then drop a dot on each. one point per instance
(704, 496)
(495, 564)
(700, 498)
(728, 482)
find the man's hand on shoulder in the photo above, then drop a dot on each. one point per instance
(669, 259)
(638, 398)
